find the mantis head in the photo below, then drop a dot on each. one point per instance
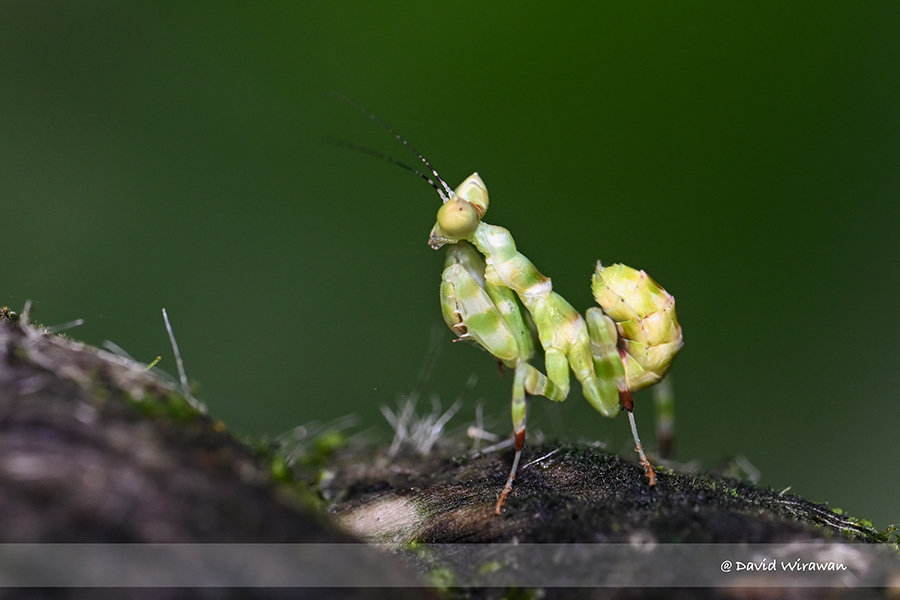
(461, 213)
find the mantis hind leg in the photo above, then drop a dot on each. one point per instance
(608, 365)
(664, 402)
(648, 468)
(530, 380)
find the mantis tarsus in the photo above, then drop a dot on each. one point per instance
(626, 344)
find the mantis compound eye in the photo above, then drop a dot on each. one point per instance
(457, 218)
(474, 191)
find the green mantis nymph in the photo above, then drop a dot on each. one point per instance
(626, 344)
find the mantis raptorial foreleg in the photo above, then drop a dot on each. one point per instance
(626, 344)
(489, 315)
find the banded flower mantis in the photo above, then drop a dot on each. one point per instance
(626, 344)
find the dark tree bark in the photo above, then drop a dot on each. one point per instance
(573, 493)
(93, 448)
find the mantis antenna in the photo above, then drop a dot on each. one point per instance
(446, 193)
(390, 159)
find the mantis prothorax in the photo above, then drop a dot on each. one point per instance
(626, 344)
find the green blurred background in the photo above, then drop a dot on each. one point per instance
(747, 155)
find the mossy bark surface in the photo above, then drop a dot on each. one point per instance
(579, 493)
(93, 448)
(580, 496)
